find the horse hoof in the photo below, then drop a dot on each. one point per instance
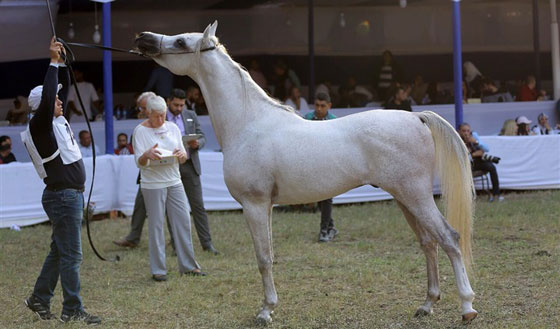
(468, 317)
(422, 312)
(264, 320)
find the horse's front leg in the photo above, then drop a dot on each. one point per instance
(258, 216)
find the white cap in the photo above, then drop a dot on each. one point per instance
(523, 119)
(35, 95)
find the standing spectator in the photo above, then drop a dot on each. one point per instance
(86, 146)
(509, 128)
(89, 98)
(187, 121)
(17, 115)
(480, 159)
(283, 78)
(474, 79)
(139, 211)
(58, 162)
(491, 93)
(257, 75)
(123, 147)
(160, 81)
(328, 230)
(387, 73)
(523, 126)
(162, 189)
(295, 100)
(399, 101)
(6, 155)
(543, 127)
(529, 92)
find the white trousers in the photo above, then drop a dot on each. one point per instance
(172, 200)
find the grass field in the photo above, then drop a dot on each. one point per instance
(372, 276)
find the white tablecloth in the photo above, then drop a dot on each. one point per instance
(531, 162)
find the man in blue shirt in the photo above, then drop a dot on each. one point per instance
(321, 112)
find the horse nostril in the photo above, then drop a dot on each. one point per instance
(141, 35)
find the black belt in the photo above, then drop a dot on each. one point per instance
(60, 188)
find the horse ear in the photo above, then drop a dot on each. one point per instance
(213, 28)
(206, 33)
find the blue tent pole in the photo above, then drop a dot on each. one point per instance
(457, 60)
(108, 79)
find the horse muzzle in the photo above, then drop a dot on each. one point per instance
(149, 43)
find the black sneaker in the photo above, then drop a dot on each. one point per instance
(81, 316)
(324, 236)
(333, 232)
(43, 311)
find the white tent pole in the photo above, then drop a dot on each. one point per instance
(555, 50)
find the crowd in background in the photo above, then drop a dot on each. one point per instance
(387, 88)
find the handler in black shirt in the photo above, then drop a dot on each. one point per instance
(57, 158)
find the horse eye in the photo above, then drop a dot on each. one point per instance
(180, 43)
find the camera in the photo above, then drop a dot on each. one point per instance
(488, 157)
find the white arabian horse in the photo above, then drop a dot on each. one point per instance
(273, 156)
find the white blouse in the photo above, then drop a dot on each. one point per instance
(168, 138)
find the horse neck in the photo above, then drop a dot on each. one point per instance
(233, 99)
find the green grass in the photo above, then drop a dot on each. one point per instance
(372, 276)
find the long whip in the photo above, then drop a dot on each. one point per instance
(68, 61)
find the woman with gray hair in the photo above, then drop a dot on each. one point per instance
(158, 151)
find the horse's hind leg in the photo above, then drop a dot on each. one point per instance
(429, 246)
(258, 220)
(428, 217)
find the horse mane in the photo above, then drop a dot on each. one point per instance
(246, 80)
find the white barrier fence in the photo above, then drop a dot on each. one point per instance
(531, 162)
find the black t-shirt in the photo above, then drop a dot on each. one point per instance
(59, 175)
(7, 159)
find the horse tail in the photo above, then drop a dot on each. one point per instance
(457, 188)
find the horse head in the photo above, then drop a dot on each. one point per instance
(166, 50)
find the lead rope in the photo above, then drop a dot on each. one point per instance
(68, 62)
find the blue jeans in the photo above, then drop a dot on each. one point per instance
(65, 210)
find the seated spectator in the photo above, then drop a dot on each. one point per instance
(437, 95)
(543, 127)
(523, 126)
(200, 105)
(399, 101)
(295, 100)
(257, 75)
(474, 79)
(6, 155)
(480, 159)
(529, 92)
(491, 93)
(466, 92)
(509, 128)
(419, 89)
(86, 146)
(17, 115)
(89, 98)
(358, 94)
(407, 87)
(282, 80)
(123, 147)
